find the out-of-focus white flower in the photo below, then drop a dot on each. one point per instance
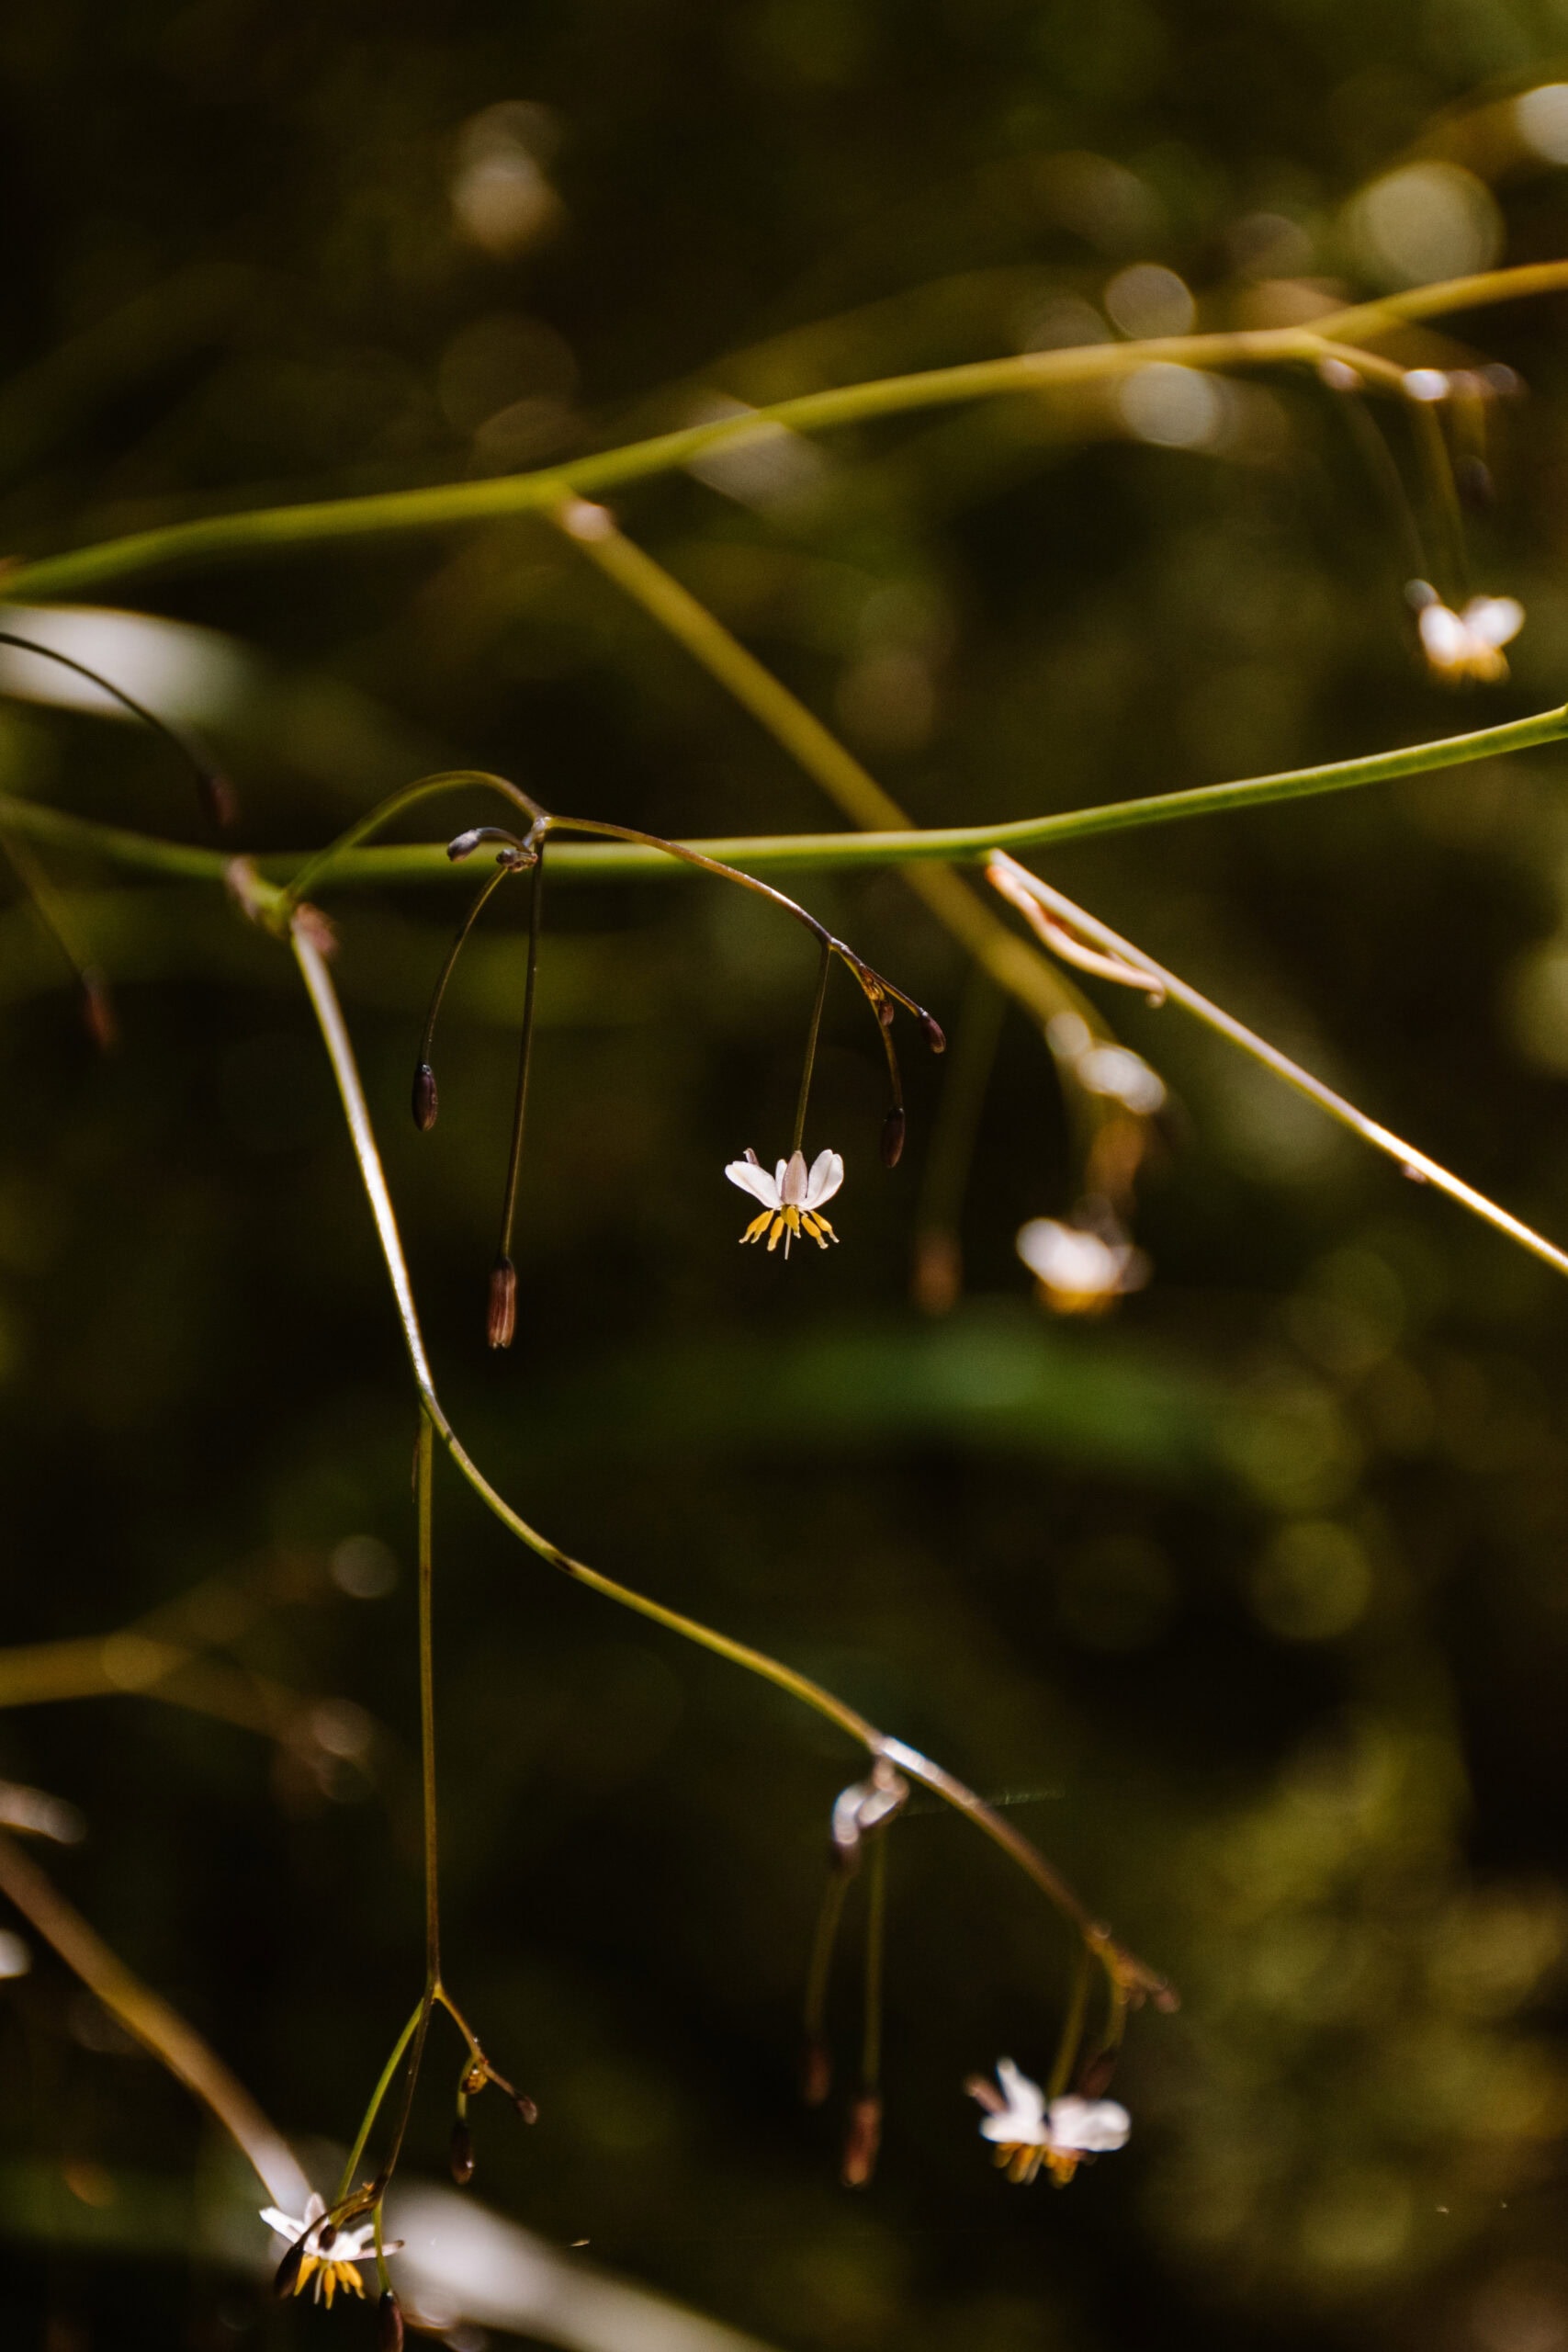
(1124, 1077)
(1080, 1272)
(1028, 2131)
(791, 1198)
(1468, 644)
(864, 1806)
(335, 2263)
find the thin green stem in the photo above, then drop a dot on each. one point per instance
(876, 1949)
(384, 2084)
(424, 1457)
(524, 1053)
(1117, 1962)
(633, 859)
(1410, 1161)
(1431, 441)
(820, 1968)
(811, 1036)
(1072, 2026)
(427, 787)
(486, 891)
(275, 529)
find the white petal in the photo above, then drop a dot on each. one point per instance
(1444, 636)
(283, 2224)
(793, 1188)
(1026, 2100)
(778, 1176)
(1496, 620)
(1069, 1258)
(754, 1180)
(1093, 2126)
(827, 1175)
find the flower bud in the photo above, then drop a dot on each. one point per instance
(464, 844)
(389, 2324)
(893, 1128)
(286, 2277)
(816, 2071)
(862, 2141)
(525, 2107)
(461, 2154)
(502, 1303)
(97, 1010)
(885, 1010)
(216, 794)
(424, 1098)
(934, 1033)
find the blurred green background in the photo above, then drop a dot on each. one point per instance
(1256, 1596)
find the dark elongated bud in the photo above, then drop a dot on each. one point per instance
(461, 2153)
(893, 1128)
(424, 1098)
(389, 2324)
(326, 2237)
(502, 1303)
(97, 1010)
(862, 2141)
(286, 2277)
(816, 2071)
(218, 803)
(934, 1033)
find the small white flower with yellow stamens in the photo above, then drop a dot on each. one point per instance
(1080, 1272)
(1468, 644)
(331, 2256)
(792, 1196)
(1029, 2131)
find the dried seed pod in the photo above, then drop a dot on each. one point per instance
(424, 1098)
(286, 2277)
(816, 2071)
(389, 2324)
(503, 1321)
(934, 1033)
(893, 1131)
(461, 2153)
(862, 2141)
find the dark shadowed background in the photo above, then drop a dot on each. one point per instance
(1255, 1596)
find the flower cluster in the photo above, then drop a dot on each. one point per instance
(1029, 2131)
(792, 1196)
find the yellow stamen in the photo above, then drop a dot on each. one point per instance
(757, 1228)
(312, 2262)
(328, 2280)
(774, 1236)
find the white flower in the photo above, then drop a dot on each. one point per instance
(864, 1806)
(1469, 644)
(1027, 2131)
(1080, 1272)
(333, 2264)
(791, 1198)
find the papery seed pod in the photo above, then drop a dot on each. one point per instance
(389, 2324)
(97, 1010)
(461, 2153)
(934, 1033)
(893, 1131)
(286, 2277)
(525, 2107)
(862, 2141)
(424, 1098)
(816, 2071)
(503, 1321)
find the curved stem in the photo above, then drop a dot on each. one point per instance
(272, 529)
(427, 787)
(1410, 1161)
(1119, 1964)
(154, 2024)
(875, 1947)
(524, 1053)
(208, 788)
(486, 892)
(811, 1036)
